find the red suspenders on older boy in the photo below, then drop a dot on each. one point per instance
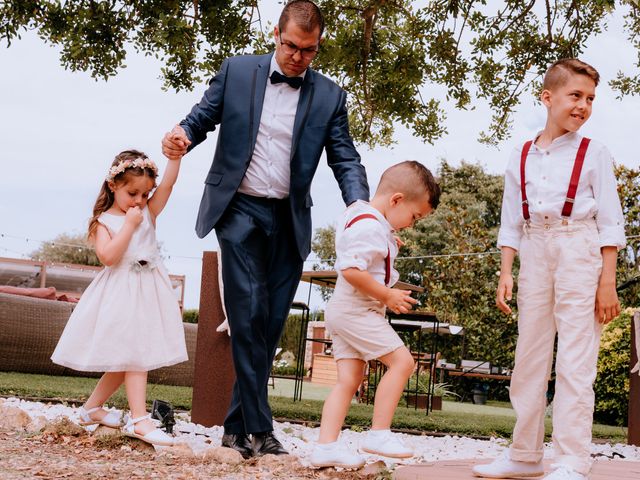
(387, 259)
(573, 183)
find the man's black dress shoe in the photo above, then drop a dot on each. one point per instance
(239, 442)
(264, 443)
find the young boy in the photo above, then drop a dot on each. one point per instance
(355, 315)
(564, 219)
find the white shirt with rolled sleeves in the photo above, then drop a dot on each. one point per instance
(269, 171)
(366, 243)
(548, 172)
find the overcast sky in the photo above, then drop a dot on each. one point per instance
(60, 131)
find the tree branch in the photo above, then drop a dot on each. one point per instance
(518, 18)
(549, 33)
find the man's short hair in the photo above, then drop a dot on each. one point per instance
(304, 13)
(412, 179)
(558, 74)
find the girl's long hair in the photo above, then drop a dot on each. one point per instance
(105, 197)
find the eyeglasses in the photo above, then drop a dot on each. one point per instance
(291, 49)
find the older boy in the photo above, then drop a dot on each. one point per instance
(355, 316)
(562, 214)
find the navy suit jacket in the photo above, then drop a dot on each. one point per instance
(234, 101)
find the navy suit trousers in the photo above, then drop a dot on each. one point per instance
(261, 269)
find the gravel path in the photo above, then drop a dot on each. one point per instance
(73, 452)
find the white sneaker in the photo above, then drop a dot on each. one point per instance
(564, 472)
(334, 455)
(504, 467)
(386, 444)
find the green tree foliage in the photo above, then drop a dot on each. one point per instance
(382, 51)
(612, 383)
(629, 259)
(67, 248)
(190, 315)
(291, 334)
(323, 246)
(190, 37)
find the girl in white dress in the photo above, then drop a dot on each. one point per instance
(128, 320)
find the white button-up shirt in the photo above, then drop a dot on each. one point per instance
(269, 171)
(366, 243)
(547, 176)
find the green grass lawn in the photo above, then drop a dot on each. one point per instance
(456, 418)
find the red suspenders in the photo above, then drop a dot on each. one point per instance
(523, 188)
(573, 183)
(387, 259)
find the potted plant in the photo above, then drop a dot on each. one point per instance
(440, 391)
(417, 392)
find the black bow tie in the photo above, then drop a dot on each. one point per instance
(293, 82)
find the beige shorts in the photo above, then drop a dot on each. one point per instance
(359, 328)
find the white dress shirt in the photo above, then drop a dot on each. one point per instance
(547, 176)
(269, 171)
(366, 243)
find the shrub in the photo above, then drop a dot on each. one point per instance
(190, 316)
(291, 334)
(284, 370)
(612, 383)
(421, 381)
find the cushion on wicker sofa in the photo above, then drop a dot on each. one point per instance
(30, 329)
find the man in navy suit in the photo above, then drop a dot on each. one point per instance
(276, 116)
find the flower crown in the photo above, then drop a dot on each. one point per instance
(140, 162)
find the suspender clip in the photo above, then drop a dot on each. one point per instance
(565, 221)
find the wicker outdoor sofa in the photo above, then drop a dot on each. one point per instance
(30, 329)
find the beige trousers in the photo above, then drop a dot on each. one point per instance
(560, 268)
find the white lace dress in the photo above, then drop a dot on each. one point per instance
(128, 318)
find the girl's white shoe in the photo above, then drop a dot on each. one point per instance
(112, 419)
(154, 437)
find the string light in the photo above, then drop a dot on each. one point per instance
(76, 245)
(314, 260)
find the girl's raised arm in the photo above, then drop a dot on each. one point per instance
(160, 197)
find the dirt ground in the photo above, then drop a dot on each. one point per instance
(79, 455)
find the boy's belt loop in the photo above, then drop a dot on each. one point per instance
(387, 259)
(567, 208)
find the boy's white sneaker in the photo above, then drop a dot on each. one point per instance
(504, 467)
(564, 472)
(386, 444)
(334, 455)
